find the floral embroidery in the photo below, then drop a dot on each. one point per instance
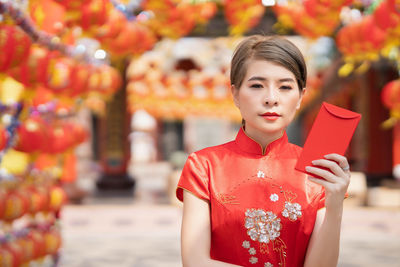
(292, 211)
(252, 251)
(268, 264)
(246, 244)
(253, 260)
(274, 197)
(260, 174)
(227, 199)
(262, 226)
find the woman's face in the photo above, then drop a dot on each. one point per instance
(268, 98)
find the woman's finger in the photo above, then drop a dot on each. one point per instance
(331, 165)
(327, 175)
(341, 161)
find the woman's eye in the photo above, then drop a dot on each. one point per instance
(286, 87)
(256, 85)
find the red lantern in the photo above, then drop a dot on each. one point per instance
(34, 69)
(387, 15)
(391, 95)
(59, 139)
(93, 13)
(113, 27)
(3, 138)
(16, 252)
(110, 80)
(15, 45)
(30, 135)
(79, 80)
(59, 73)
(27, 246)
(39, 243)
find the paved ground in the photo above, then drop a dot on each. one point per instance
(143, 231)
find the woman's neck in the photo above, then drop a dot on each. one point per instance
(262, 138)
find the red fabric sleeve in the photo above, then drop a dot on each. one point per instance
(194, 178)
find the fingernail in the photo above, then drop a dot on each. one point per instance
(307, 168)
(313, 162)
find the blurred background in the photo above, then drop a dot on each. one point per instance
(101, 101)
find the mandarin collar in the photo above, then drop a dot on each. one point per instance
(249, 145)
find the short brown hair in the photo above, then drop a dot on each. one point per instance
(270, 48)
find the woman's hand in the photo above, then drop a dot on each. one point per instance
(336, 181)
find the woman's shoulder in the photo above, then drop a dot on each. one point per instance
(212, 150)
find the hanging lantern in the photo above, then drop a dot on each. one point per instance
(387, 15)
(3, 138)
(39, 243)
(38, 199)
(31, 136)
(27, 247)
(47, 16)
(52, 240)
(16, 252)
(58, 198)
(59, 74)
(113, 27)
(59, 139)
(90, 14)
(111, 80)
(14, 46)
(390, 95)
(6, 256)
(34, 70)
(79, 80)
(16, 205)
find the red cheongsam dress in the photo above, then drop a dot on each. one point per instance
(262, 210)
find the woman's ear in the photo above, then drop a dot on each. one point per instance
(235, 94)
(302, 92)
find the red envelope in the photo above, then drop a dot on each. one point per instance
(331, 133)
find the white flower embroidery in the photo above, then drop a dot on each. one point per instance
(292, 211)
(274, 197)
(253, 260)
(268, 264)
(262, 226)
(260, 174)
(252, 251)
(246, 244)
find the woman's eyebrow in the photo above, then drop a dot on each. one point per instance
(257, 78)
(286, 80)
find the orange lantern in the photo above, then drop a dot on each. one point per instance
(52, 240)
(15, 45)
(38, 199)
(16, 205)
(110, 80)
(69, 168)
(27, 246)
(390, 95)
(89, 14)
(58, 198)
(6, 256)
(47, 15)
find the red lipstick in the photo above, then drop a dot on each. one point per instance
(271, 116)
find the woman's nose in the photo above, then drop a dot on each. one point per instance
(271, 97)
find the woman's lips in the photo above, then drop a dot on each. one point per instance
(271, 116)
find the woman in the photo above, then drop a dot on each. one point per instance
(244, 203)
